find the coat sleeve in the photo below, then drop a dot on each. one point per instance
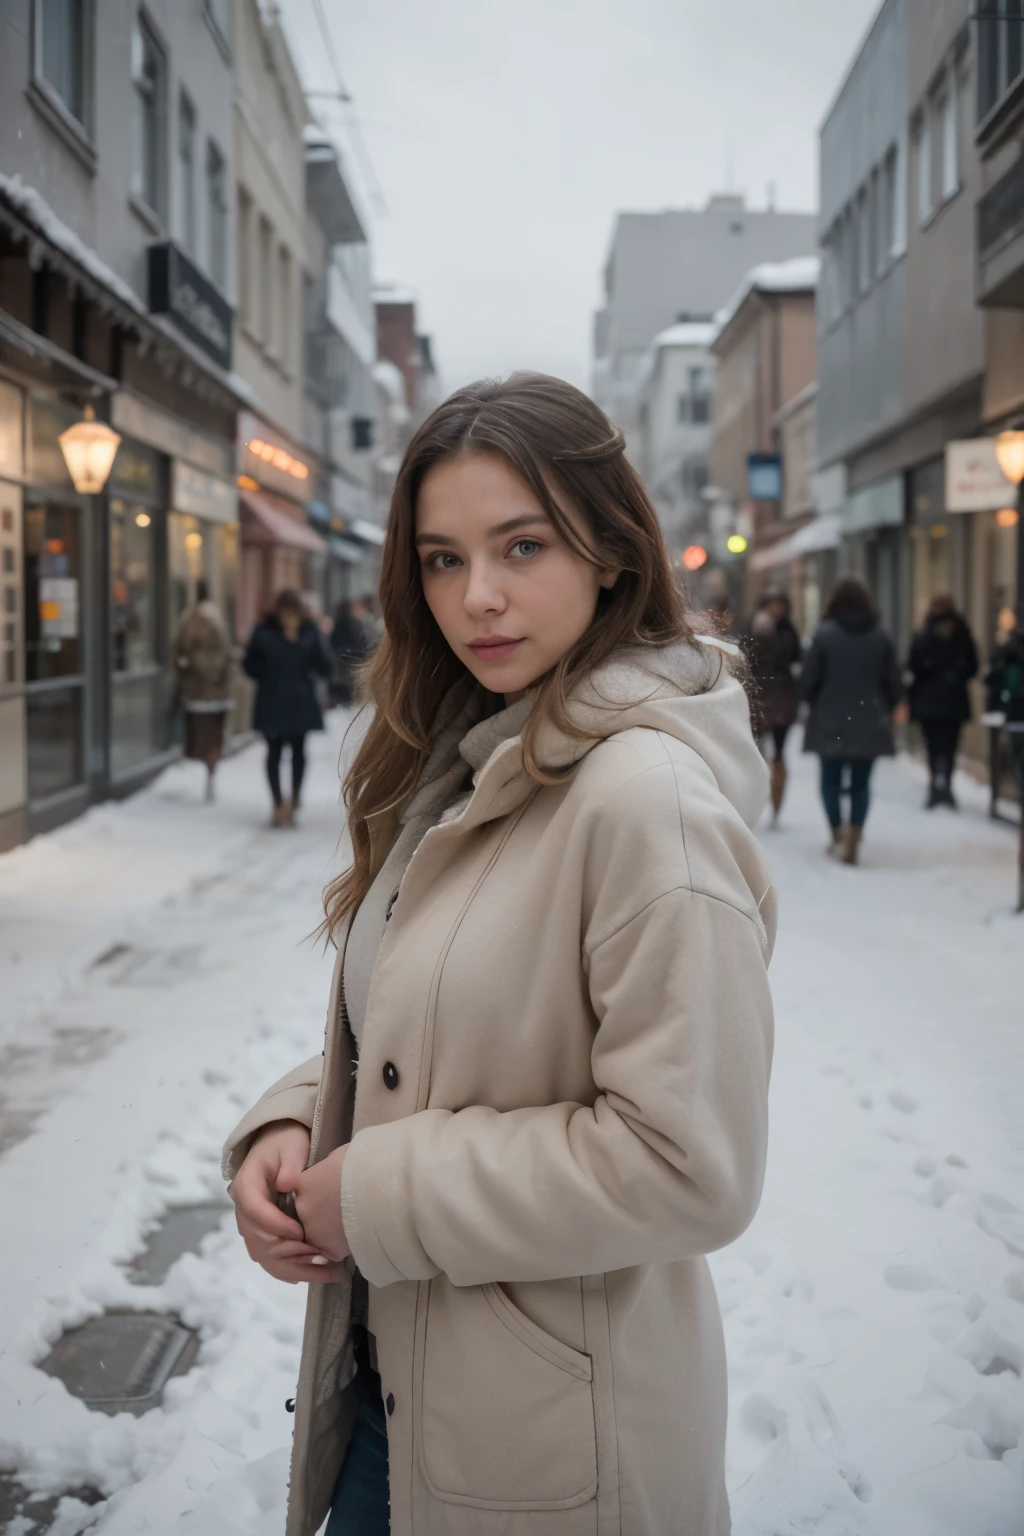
(892, 681)
(253, 660)
(812, 676)
(293, 1097)
(665, 1164)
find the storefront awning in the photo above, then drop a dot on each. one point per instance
(273, 523)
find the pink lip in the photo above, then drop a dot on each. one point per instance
(494, 647)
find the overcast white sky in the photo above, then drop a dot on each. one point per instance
(507, 133)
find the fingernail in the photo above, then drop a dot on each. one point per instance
(319, 1259)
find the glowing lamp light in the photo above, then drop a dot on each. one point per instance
(736, 544)
(142, 519)
(89, 448)
(1010, 454)
(278, 457)
(694, 557)
(193, 541)
(1007, 517)
(247, 483)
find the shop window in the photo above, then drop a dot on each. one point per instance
(148, 78)
(132, 583)
(52, 607)
(61, 53)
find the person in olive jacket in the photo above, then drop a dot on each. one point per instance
(284, 656)
(851, 680)
(942, 660)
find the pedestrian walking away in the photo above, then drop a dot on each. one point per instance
(851, 681)
(284, 656)
(772, 649)
(942, 660)
(350, 646)
(202, 673)
(542, 1098)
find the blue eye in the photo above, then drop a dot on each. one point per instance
(526, 548)
(439, 562)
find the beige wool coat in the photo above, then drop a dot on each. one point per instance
(561, 1107)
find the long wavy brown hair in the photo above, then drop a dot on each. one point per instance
(566, 450)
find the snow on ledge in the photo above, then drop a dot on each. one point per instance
(30, 203)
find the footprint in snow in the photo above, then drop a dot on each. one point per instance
(903, 1101)
(910, 1277)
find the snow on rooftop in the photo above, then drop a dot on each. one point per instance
(797, 275)
(394, 293)
(686, 333)
(34, 207)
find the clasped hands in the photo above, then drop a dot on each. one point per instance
(290, 1250)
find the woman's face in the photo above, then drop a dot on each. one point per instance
(509, 595)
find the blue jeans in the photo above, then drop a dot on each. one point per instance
(361, 1506)
(858, 776)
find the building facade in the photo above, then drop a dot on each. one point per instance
(918, 351)
(116, 239)
(671, 267)
(675, 429)
(765, 351)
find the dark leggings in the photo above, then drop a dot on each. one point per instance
(942, 737)
(275, 746)
(856, 786)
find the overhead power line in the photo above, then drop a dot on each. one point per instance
(344, 96)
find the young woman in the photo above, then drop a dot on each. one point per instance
(284, 656)
(552, 950)
(851, 679)
(943, 658)
(773, 652)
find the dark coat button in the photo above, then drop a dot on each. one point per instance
(390, 1075)
(289, 1405)
(389, 1403)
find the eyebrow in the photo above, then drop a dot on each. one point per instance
(528, 520)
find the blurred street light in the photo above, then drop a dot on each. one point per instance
(1010, 454)
(736, 544)
(694, 557)
(89, 448)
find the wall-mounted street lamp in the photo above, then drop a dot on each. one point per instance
(1010, 454)
(89, 448)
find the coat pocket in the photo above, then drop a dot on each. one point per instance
(505, 1411)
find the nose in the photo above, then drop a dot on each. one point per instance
(483, 593)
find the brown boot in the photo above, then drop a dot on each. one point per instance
(778, 786)
(851, 844)
(280, 818)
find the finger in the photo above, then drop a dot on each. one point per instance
(298, 1271)
(264, 1216)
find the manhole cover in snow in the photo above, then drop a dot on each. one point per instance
(181, 1231)
(120, 1362)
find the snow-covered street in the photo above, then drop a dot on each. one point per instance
(155, 977)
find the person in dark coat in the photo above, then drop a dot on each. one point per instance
(351, 645)
(772, 649)
(1004, 684)
(284, 656)
(851, 680)
(942, 660)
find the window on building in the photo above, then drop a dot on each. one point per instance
(244, 240)
(216, 215)
(923, 147)
(865, 255)
(682, 408)
(852, 254)
(700, 395)
(187, 172)
(950, 157)
(61, 49)
(265, 301)
(148, 73)
(284, 302)
(1000, 51)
